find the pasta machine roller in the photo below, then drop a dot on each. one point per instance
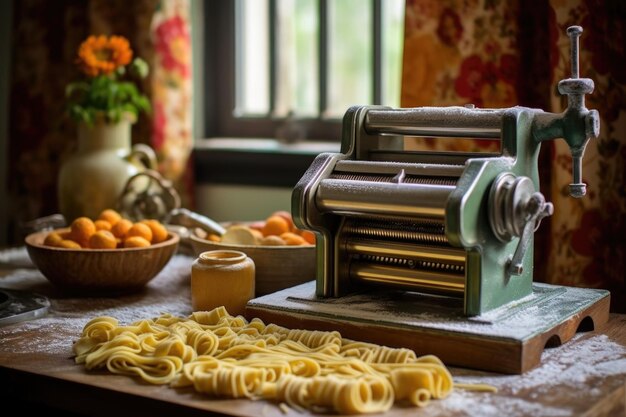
(452, 224)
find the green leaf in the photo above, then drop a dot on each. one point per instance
(139, 68)
(104, 96)
(77, 87)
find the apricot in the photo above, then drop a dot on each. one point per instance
(110, 216)
(102, 239)
(275, 226)
(292, 239)
(81, 230)
(53, 239)
(103, 225)
(120, 228)
(214, 238)
(159, 232)
(287, 216)
(307, 235)
(141, 230)
(136, 242)
(69, 244)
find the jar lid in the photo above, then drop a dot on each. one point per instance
(222, 256)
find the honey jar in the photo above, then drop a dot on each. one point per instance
(222, 278)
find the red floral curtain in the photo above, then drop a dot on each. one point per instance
(172, 91)
(497, 53)
(45, 38)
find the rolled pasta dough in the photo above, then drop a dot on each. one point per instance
(227, 356)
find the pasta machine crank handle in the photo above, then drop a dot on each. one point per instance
(537, 208)
(516, 210)
(576, 124)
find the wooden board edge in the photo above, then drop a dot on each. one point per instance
(497, 355)
(563, 332)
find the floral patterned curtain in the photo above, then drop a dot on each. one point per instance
(172, 91)
(45, 38)
(501, 53)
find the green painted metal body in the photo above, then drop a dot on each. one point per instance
(467, 224)
(487, 283)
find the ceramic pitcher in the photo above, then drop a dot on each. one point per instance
(94, 177)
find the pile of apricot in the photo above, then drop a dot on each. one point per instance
(109, 231)
(276, 230)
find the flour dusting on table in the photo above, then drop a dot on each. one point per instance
(55, 333)
(577, 366)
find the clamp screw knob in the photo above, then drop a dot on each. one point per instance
(578, 190)
(574, 33)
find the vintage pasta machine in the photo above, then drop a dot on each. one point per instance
(453, 224)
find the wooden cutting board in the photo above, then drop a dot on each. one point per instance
(508, 340)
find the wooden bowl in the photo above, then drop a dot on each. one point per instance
(276, 267)
(100, 271)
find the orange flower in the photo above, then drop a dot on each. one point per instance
(101, 55)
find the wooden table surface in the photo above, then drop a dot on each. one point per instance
(584, 377)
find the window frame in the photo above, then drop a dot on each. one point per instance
(220, 40)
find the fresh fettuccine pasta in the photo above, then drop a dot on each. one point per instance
(227, 356)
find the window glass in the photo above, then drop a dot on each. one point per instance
(279, 50)
(393, 39)
(253, 58)
(297, 51)
(307, 58)
(350, 43)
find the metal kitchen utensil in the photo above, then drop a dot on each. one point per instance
(149, 195)
(17, 306)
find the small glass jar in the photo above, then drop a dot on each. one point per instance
(222, 278)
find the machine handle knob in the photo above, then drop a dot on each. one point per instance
(516, 210)
(574, 33)
(536, 208)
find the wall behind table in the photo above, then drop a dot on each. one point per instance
(248, 179)
(232, 202)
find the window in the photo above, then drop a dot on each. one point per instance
(269, 62)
